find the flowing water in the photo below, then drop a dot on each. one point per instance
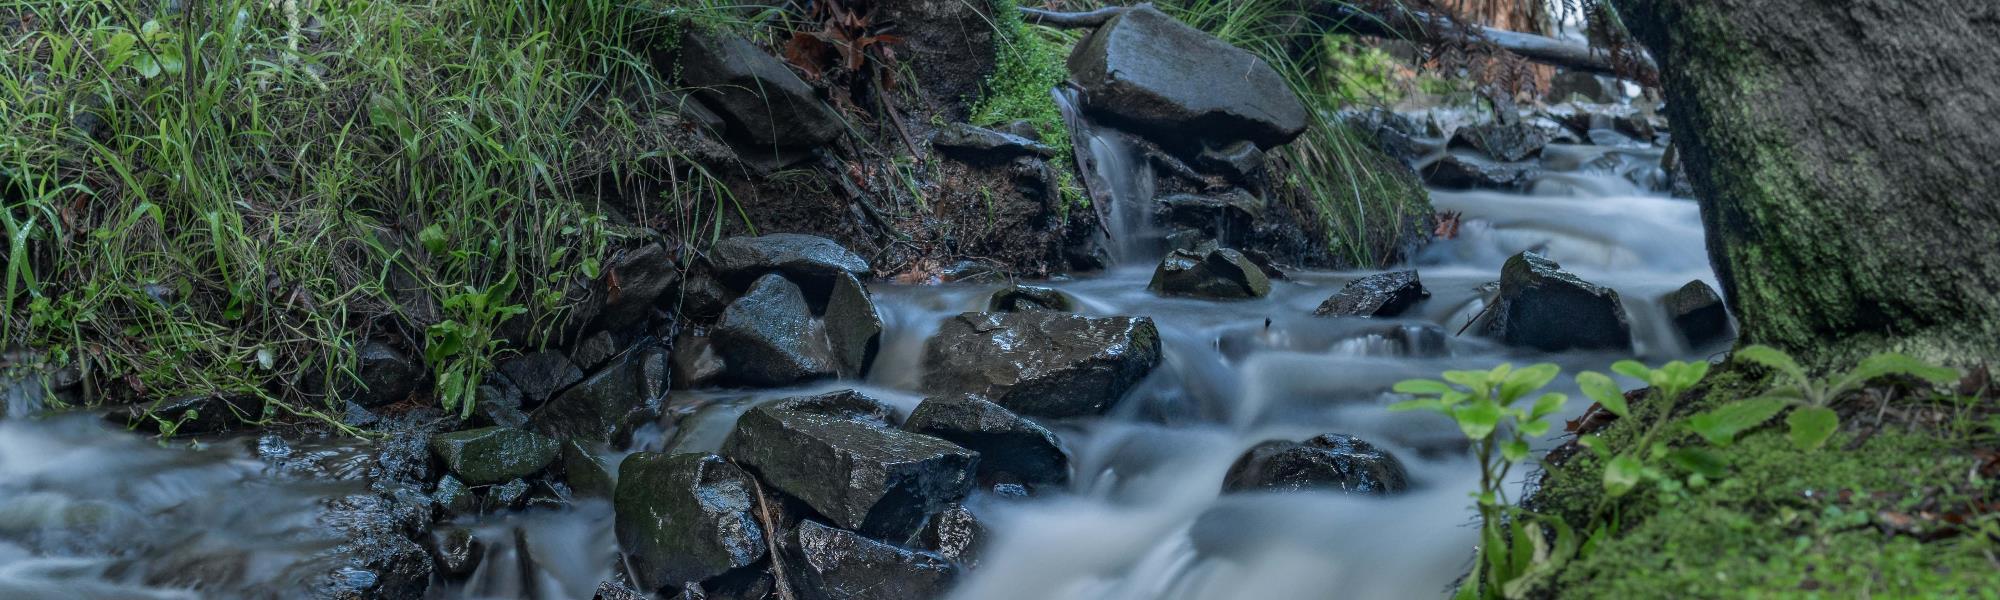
(91, 512)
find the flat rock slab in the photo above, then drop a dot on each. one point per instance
(1012, 449)
(765, 104)
(1041, 363)
(1378, 295)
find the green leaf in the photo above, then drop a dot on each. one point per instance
(1689, 374)
(1547, 405)
(1633, 369)
(1537, 428)
(1471, 379)
(1720, 426)
(1890, 363)
(1811, 426)
(1478, 418)
(1422, 387)
(1773, 358)
(1700, 461)
(1528, 379)
(433, 238)
(1425, 404)
(1622, 474)
(1601, 388)
(1594, 443)
(1514, 450)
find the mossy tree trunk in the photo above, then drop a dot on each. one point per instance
(1844, 156)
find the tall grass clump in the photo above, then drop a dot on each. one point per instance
(228, 198)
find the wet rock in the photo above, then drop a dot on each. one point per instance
(1570, 84)
(853, 327)
(493, 454)
(188, 415)
(1212, 272)
(1698, 314)
(765, 104)
(540, 375)
(456, 552)
(1326, 462)
(1509, 142)
(843, 404)
(497, 402)
(585, 471)
(954, 534)
(1378, 295)
(452, 498)
(685, 517)
(696, 364)
(1174, 83)
(643, 275)
(842, 565)
(506, 496)
(387, 375)
(703, 297)
(1456, 171)
(1240, 162)
(1041, 363)
(810, 261)
(768, 337)
(612, 590)
(377, 555)
(1029, 297)
(859, 473)
(610, 404)
(1395, 134)
(1229, 217)
(594, 351)
(1011, 448)
(971, 143)
(1544, 307)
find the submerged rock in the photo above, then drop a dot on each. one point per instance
(1011, 448)
(1378, 295)
(1326, 462)
(1544, 307)
(768, 337)
(853, 327)
(1041, 363)
(810, 261)
(1029, 297)
(610, 404)
(1146, 70)
(1698, 314)
(685, 518)
(842, 565)
(493, 454)
(765, 104)
(1210, 272)
(857, 471)
(456, 552)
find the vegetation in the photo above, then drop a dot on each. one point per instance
(1028, 67)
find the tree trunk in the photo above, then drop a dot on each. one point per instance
(1843, 155)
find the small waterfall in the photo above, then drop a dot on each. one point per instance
(1119, 179)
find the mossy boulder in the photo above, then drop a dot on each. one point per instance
(492, 455)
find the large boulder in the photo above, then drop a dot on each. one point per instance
(1543, 307)
(765, 104)
(768, 337)
(1697, 314)
(1011, 449)
(1378, 295)
(610, 404)
(835, 456)
(811, 261)
(685, 518)
(1326, 462)
(1210, 272)
(842, 565)
(1041, 363)
(1174, 83)
(853, 327)
(493, 454)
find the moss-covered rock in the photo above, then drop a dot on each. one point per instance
(493, 454)
(685, 518)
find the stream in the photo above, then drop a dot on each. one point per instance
(90, 511)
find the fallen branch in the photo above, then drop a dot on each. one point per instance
(771, 541)
(1073, 20)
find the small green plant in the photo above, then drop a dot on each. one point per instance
(1641, 462)
(1813, 419)
(1489, 409)
(460, 350)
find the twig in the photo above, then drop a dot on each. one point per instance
(1475, 318)
(771, 541)
(1073, 20)
(889, 106)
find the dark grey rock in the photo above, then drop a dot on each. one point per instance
(1544, 307)
(695, 362)
(456, 551)
(703, 297)
(856, 471)
(1171, 82)
(971, 143)
(810, 261)
(1457, 171)
(613, 590)
(843, 404)
(1210, 272)
(1512, 142)
(842, 565)
(387, 375)
(954, 534)
(585, 471)
(1395, 134)
(1570, 84)
(642, 276)
(1011, 448)
(1229, 217)
(685, 517)
(594, 351)
(493, 454)
(1041, 363)
(768, 337)
(540, 375)
(1698, 314)
(452, 498)
(853, 327)
(189, 415)
(497, 402)
(765, 104)
(1240, 161)
(1378, 295)
(1029, 297)
(1326, 462)
(507, 496)
(610, 404)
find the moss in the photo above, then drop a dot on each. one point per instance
(1027, 68)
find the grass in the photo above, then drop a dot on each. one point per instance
(1028, 65)
(229, 199)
